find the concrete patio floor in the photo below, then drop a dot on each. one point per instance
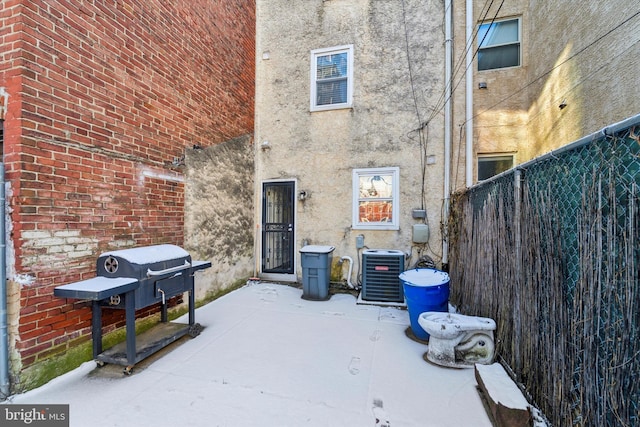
(267, 357)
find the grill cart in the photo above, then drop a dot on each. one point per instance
(131, 279)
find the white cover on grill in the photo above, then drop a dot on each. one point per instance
(149, 254)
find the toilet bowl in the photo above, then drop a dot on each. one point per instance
(458, 341)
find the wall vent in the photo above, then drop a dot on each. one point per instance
(380, 281)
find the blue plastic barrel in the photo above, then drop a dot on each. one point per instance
(425, 289)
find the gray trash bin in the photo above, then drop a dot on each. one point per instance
(316, 266)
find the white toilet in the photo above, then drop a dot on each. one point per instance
(458, 341)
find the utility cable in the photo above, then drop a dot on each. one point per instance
(468, 45)
(546, 73)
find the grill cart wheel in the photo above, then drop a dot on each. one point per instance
(128, 370)
(195, 329)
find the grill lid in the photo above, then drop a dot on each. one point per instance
(143, 262)
(148, 254)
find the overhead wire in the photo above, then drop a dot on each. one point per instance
(469, 44)
(546, 73)
(587, 77)
(422, 130)
(421, 137)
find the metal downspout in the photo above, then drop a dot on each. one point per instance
(4, 347)
(448, 53)
(469, 96)
(4, 342)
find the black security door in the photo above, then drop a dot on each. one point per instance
(277, 227)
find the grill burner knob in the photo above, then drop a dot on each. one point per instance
(111, 265)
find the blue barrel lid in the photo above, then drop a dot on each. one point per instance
(317, 249)
(424, 277)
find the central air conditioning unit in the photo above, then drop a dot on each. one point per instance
(380, 281)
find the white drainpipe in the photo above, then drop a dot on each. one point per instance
(469, 95)
(448, 53)
(348, 258)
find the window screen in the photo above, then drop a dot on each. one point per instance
(499, 45)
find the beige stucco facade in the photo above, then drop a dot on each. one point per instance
(583, 55)
(397, 81)
(588, 57)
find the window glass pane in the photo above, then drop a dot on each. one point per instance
(375, 211)
(498, 33)
(499, 57)
(332, 92)
(375, 198)
(376, 186)
(490, 166)
(331, 66)
(331, 78)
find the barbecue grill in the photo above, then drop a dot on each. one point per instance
(131, 279)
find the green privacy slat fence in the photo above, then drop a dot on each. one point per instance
(550, 250)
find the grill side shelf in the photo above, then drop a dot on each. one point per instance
(200, 265)
(97, 288)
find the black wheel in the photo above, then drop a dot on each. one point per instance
(128, 370)
(195, 329)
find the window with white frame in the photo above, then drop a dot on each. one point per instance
(375, 198)
(499, 44)
(490, 164)
(331, 78)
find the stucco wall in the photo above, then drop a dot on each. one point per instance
(219, 212)
(589, 56)
(398, 79)
(583, 53)
(499, 109)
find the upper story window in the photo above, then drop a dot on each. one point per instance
(490, 165)
(331, 78)
(499, 44)
(375, 198)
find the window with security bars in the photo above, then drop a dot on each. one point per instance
(499, 44)
(332, 78)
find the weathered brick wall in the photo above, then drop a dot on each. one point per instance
(105, 98)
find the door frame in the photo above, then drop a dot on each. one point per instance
(283, 277)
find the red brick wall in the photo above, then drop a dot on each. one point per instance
(104, 98)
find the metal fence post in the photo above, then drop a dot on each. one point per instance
(517, 330)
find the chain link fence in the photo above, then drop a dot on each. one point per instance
(550, 250)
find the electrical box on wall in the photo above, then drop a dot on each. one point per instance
(418, 213)
(420, 233)
(359, 241)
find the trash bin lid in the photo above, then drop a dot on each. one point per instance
(317, 249)
(424, 277)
